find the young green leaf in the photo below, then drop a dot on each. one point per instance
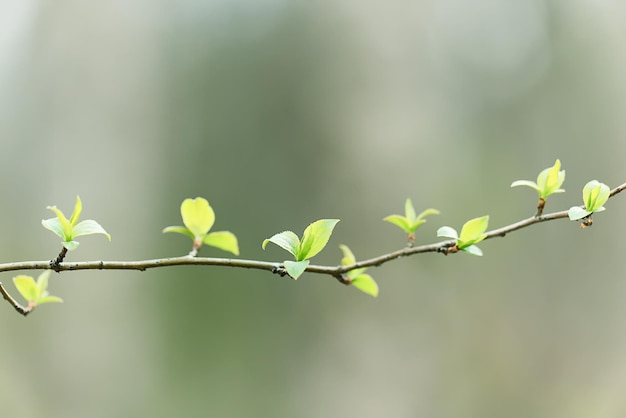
(576, 212)
(287, 240)
(315, 238)
(60, 223)
(409, 211)
(595, 195)
(357, 278)
(348, 259)
(179, 230)
(89, 227)
(400, 221)
(27, 287)
(551, 179)
(42, 281)
(78, 209)
(526, 183)
(473, 250)
(49, 299)
(447, 232)
(365, 283)
(410, 221)
(42, 284)
(473, 231)
(295, 268)
(35, 293)
(223, 240)
(199, 217)
(348, 256)
(67, 230)
(548, 182)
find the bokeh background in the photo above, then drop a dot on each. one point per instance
(283, 112)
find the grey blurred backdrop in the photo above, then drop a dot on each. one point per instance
(282, 112)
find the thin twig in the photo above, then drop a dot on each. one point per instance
(19, 308)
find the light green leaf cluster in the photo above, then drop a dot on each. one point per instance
(199, 217)
(595, 195)
(35, 293)
(410, 221)
(364, 282)
(548, 182)
(69, 229)
(314, 239)
(472, 233)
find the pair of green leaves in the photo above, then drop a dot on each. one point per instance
(549, 181)
(314, 239)
(472, 232)
(199, 217)
(357, 277)
(595, 195)
(35, 293)
(69, 229)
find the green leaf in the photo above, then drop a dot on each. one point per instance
(89, 227)
(179, 230)
(296, 268)
(399, 221)
(447, 232)
(66, 226)
(42, 281)
(70, 245)
(223, 240)
(198, 216)
(286, 240)
(409, 211)
(410, 222)
(366, 284)
(528, 183)
(576, 212)
(315, 238)
(68, 229)
(419, 221)
(595, 195)
(305, 246)
(472, 249)
(550, 179)
(49, 299)
(427, 212)
(27, 287)
(348, 259)
(348, 256)
(54, 225)
(473, 231)
(78, 208)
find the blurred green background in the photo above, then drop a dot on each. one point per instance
(283, 112)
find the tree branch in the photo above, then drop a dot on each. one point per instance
(189, 260)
